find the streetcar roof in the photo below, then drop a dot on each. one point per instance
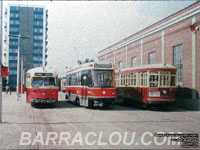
(92, 65)
(32, 71)
(148, 67)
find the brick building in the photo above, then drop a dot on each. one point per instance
(174, 40)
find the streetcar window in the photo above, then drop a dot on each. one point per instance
(103, 77)
(164, 78)
(128, 79)
(37, 81)
(122, 79)
(89, 78)
(49, 81)
(74, 79)
(135, 79)
(143, 78)
(79, 78)
(153, 79)
(173, 79)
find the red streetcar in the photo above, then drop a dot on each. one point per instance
(42, 85)
(91, 84)
(148, 84)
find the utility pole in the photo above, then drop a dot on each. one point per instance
(18, 62)
(22, 76)
(22, 71)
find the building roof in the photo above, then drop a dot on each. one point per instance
(148, 67)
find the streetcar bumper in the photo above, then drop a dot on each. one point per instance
(43, 101)
(160, 101)
(102, 101)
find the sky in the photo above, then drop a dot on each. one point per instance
(79, 29)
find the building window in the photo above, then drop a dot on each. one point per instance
(120, 64)
(178, 61)
(37, 58)
(12, 57)
(13, 65)
(13, 50)
(38, 16)
(12, 72)
(133, 61)
(16, 22)
(152, 58)
(13, 29)
(37, 37)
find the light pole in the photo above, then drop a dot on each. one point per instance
(22, 75)
(18, 59)
(22, 72)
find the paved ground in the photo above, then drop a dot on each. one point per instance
(102, 128)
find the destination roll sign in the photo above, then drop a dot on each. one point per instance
(43, 74)
(103, 65)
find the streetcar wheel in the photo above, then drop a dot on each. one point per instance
(90, 104)
(77, 102)
(66, 97)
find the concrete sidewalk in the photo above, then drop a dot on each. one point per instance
(17, 118)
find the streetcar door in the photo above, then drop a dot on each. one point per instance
(84, 83)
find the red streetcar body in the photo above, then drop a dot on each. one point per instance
(41, 85)
(92, 92)
(149, 84)
(91, 84)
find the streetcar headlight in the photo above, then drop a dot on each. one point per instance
(113, 93)
(164, 92)
(154, 93)
(104, 92)
(91, 92)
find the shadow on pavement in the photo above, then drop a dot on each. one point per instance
(58, 105)
(117, 107)
(139, 107)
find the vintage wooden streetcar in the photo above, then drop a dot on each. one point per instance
(148, 84)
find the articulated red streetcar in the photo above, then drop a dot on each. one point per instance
(42, 85)
(91, 84)
(148, 84)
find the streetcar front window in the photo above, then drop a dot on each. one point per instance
(37, 81)
(49, 81)
(103, 78)
(153, 79)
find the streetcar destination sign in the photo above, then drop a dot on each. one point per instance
(103, 65)
(43, 74)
